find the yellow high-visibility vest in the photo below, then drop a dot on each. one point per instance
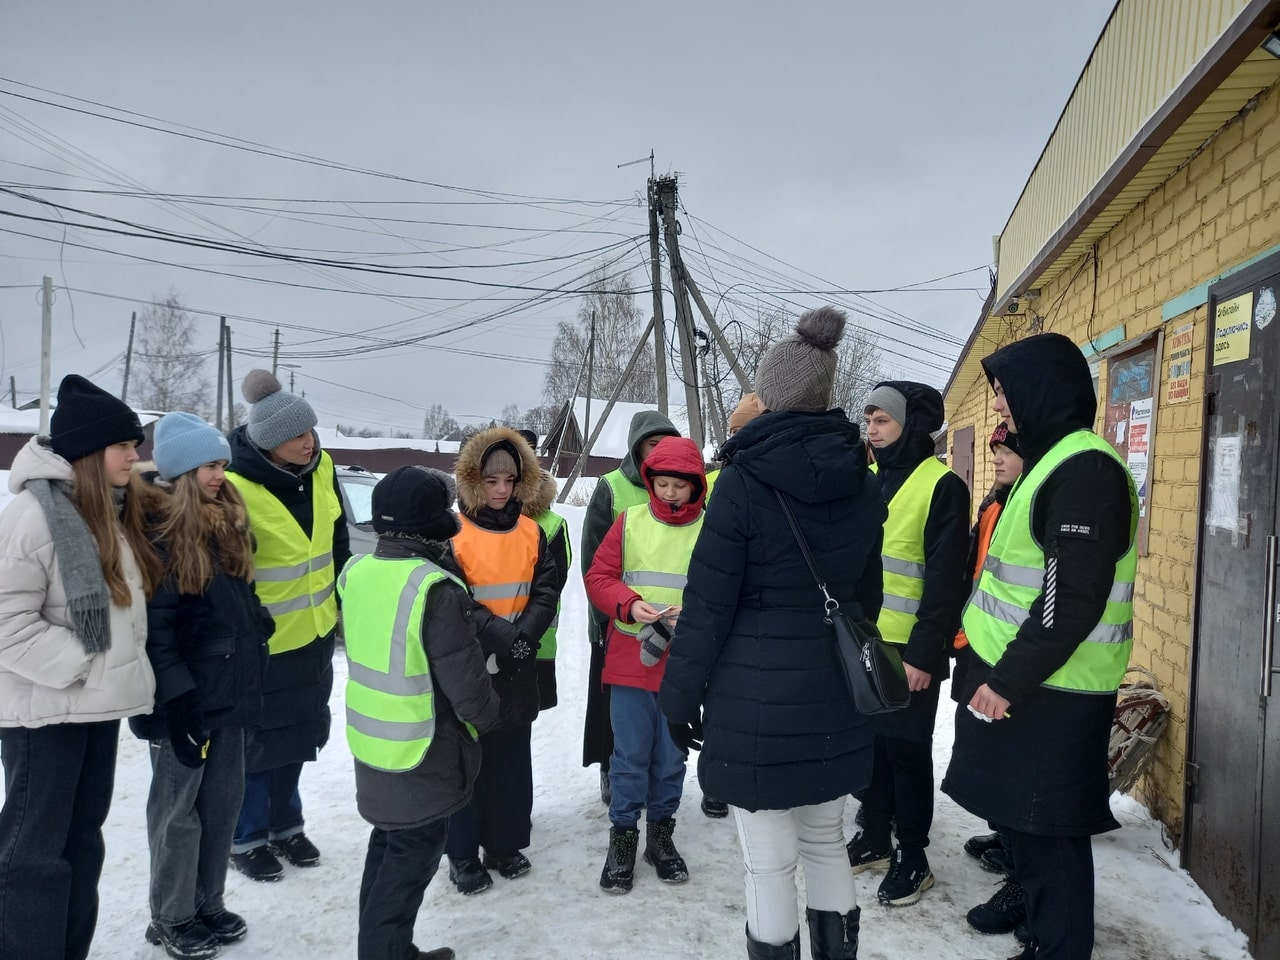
(551, 524)
(1013, 578)
(903, 554)
(294, 576)
(655, 558)
(390, 698)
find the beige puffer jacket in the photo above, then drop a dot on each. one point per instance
(45, 675)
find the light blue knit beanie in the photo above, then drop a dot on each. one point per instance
(276, 416)
(183, 442)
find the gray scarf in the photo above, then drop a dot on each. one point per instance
(88, 599)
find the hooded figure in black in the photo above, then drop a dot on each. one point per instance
(902, 778)
(1039, 768)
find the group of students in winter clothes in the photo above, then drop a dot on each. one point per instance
(148, 595)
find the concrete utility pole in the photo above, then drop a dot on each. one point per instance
(231, 393)
(667, 201)
(46, 353)
(655, 281)
(128, 358)
(13, 392)
(222, 367)
(275, 352)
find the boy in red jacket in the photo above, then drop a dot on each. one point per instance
(637, 578)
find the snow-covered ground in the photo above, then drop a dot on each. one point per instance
(1148, 908)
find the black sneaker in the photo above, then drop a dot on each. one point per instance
(469, 876)
(908, 878)
(1002, 913)
(508, 865)
(297, 849)
(864, 855)
(258, 864)
(977, 846)
(715, 809)
(226, 926)
(996, 860)
(183, 940)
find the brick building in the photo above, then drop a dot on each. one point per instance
(1149, 230)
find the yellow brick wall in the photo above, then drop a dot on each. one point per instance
(1220, 208)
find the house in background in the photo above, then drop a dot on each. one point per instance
(1149, 233)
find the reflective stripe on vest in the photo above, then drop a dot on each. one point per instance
(389, 698)
(293, 576)
(551, 524)
(903, 551)
(655, 558)
(1013, 578)
(498, 564)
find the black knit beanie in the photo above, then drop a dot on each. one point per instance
(1004, 438)
(88, 419)
(415, 500)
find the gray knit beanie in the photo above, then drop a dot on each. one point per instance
(275, 415)
(889, 400)
(183, 442)
(798, 372)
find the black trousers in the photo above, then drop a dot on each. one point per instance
(597, 729)
(1056, 874)
(58, 783)
(499, 816)
(902, 789)
(397, 870)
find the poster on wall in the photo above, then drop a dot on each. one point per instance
(1232, 322)
(1179, 388)
(1128, 418)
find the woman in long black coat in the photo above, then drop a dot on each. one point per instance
(752, 659)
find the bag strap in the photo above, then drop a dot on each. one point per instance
(831, 602)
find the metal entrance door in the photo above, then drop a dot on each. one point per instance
(1232, 839)
(962, 455)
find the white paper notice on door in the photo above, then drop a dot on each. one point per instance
(1224, 482)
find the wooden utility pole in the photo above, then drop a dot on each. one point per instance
(13, 392)
(721, 340)
(231, 393)
(591, 365)
(667, 201)
(655, 281)
(617, 391)
(275, 352)
(222, 368)
(46, 353)
(128, 358)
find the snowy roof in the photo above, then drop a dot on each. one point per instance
(28, 421)
(612, 441)
(332, 439)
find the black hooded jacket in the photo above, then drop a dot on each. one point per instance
(1049, 389)
(1043, 769)
(946, 531)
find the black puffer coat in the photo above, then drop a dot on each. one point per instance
(214, 643)
(1043, 769)
(750, 649)
(295, 706)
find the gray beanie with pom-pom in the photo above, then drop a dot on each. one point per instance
(275, 415)
(798, 373)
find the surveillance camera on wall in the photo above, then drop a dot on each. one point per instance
(1014, 306)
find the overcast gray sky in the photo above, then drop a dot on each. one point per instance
(820, 145)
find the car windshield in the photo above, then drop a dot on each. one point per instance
(360, 496)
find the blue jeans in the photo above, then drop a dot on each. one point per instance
(271, 809)
(191, 814)
(646, 769)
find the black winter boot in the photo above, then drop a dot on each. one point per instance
(832, 935)
(661, 852)
(469, 876)
(185, 941)
(1002, 913)
(767, 951)
(620, 864)
(227, 927)
(439, 953)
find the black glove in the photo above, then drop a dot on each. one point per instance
(687, 736)
(186, 729)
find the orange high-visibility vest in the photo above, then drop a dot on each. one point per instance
(498, 564)
(986, 527)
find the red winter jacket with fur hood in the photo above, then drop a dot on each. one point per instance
(673, 456)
